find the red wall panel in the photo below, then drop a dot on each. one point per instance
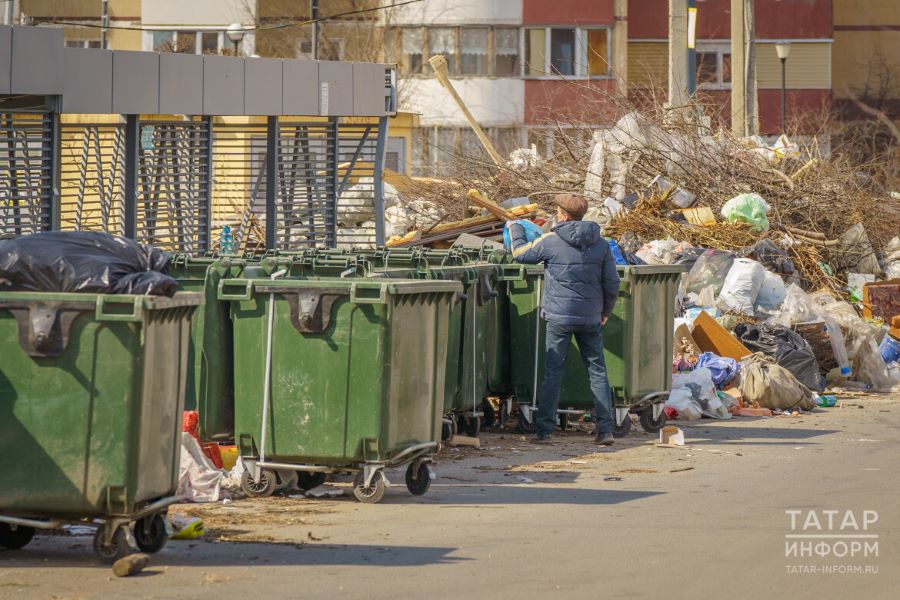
(649, 19)
(575, 101)
(565, 12)
(805, 109)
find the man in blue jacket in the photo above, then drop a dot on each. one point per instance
(581, 287)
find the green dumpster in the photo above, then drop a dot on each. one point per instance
(346, 374)
(91, 394)
(637, 344)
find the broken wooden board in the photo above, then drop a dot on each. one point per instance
(712, 337)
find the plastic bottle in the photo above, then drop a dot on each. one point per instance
(838, 346)
(226, 241)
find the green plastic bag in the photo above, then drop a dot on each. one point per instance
(747, 208)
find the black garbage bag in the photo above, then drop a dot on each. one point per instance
(770, 255)
(633, 259)
(788, 349)
(84, 261)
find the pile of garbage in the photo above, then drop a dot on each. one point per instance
(747, 327)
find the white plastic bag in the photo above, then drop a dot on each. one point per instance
(741, 287)
(694, 395)
(772, 291)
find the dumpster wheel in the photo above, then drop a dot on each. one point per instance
(14, 539)
(418, 477)
(117, 547)
(372, 493)
(622, 429)
(308, 480)
(261, 488)
(650, 424)
(150, 533)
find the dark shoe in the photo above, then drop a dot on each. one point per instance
(604, 439)
(541, 439)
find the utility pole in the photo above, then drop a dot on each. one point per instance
(314, 15)
(743, 69)
(678, 56)
(104, 22)
(620, 46)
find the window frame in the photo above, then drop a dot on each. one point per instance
(396, 50)
(198, 41)
(720, 49)
(581, 59)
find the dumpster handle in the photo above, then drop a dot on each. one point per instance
(244, 294)
(267, 383)
(475, 349)
(537, 343)
(137, 308)
(359, 295)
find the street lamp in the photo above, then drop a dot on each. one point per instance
(784, 50)
(235, 33)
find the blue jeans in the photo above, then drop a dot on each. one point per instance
(590, 343)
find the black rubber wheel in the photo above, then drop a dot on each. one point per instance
(117, 548)
(490, 416)
(446, 431)
(419, 485)
(371, 494)
(650, 424)
(150, 533)
(473, 426)
(307, 480)
(623, 429)
(563, 421)
(14, 537)
(261, 488)
(522, 424)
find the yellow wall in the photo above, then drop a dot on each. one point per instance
(867, 62)
(866, 12)
(648, 64)
(402, 126)
(124, 39)
(808, 66)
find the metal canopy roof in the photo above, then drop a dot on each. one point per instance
(34, 61)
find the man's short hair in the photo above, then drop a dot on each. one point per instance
(575, 205)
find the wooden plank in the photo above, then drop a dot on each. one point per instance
(712, 337)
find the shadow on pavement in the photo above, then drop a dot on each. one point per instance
(726, 434)
(489, 494)
(57, 551)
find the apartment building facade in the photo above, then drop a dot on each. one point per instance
(523, 67)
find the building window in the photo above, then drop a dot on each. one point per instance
(595, 48)
(163, 39)
(439, 151)
(713, 64)
(562, 51)
(412, 44)
(469, 51)
(442, 40)
(569, 52)
(82, 43)
(473, 51)
(209, 42)
(506, 52)
(535, 52)
(188, 42)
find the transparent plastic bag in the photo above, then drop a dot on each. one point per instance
(710, 269)
(741, 286)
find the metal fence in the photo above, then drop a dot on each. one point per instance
(27, 152)
(193, 177)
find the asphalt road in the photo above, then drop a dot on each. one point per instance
(512, 520)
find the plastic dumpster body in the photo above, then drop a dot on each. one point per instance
(356, 377)
(637, 341)
(91, 396)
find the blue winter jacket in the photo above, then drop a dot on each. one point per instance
(580, 280)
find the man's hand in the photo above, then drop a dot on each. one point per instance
(604, 320)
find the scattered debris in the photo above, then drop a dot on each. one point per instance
(130, 565)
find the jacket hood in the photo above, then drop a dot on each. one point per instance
(580, 234)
